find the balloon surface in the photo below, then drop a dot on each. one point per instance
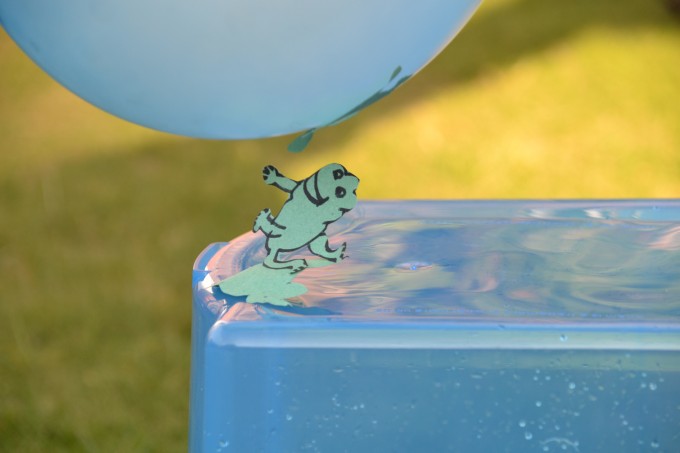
(233, 69)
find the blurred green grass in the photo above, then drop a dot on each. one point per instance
(100, 220)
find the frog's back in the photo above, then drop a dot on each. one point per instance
(302, 222)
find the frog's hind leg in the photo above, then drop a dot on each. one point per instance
(319, 246)
(272, 262)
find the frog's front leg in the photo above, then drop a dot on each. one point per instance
(273, 177)
(319, 246)
(267, 224)
(272, 262)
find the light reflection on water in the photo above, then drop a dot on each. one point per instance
(619, 262)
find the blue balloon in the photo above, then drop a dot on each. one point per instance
(233, 69)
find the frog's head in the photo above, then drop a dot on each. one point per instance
(334, 188)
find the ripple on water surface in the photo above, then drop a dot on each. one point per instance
(560, 260)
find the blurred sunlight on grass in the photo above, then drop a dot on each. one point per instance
(100, 220)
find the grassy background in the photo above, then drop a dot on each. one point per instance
(100, 220)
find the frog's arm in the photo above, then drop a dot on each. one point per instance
(272, 176)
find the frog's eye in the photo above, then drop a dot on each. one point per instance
(340, 192)
(337, 174)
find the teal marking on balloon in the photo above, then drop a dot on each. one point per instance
(312, 205)
(371, 100)
(395, 73)
(301, 142)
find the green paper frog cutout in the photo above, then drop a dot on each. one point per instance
(312, 205)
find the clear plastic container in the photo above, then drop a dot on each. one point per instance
(512, 326)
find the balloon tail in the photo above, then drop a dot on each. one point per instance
(301, 142)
